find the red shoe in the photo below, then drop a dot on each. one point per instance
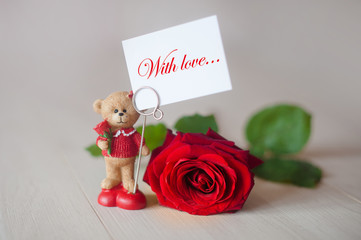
(130, 201)
(107, 197)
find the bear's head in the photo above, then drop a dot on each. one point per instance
(117, 109)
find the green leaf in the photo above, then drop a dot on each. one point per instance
(296, 172)
(256, 151)
(196, 124)
(154, 135)
(109, 148)
(94, 150)
(279, 129)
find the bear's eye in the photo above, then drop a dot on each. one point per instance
(125, 110)
(116, 110)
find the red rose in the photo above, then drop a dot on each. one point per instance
(105, 132)
(103, 128)
(201, 174)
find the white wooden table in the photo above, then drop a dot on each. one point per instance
(57, 58)
(50, 192)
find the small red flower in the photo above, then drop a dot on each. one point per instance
(104, 130)
(102, 127)
(201, 174)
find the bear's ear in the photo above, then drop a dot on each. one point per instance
(97, 105)
(130, 95)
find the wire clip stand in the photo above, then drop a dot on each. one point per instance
(156, 111)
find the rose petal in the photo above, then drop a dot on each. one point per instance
(201, 139)
(242, 155)
(212, 195)
(201, 181)
(102, 127)
(222, 192)
(253, 161)
(162, 159)
(214, 158)
(214, 135)
(171, 198)
(189, 152)
(244, 184)
(181, 171)
(168, 183)
(181, 189)
(167, 142)
(227, 178)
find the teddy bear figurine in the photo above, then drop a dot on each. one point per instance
(120, 143)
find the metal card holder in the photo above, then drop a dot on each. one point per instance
(154, 113)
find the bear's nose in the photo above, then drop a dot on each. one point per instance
(121, 114)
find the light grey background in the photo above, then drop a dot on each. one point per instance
(69, 53)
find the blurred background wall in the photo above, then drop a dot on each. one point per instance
(57, 57)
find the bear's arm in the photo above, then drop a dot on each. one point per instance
(137, 139)
(144, 150)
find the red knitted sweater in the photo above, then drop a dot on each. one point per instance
(125, 143)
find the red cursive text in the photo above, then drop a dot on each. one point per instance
(148, 67)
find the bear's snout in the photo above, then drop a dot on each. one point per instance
(121, 114)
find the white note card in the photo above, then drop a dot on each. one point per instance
(182, 62)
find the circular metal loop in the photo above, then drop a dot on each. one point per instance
(156, 109)
(160, 114)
